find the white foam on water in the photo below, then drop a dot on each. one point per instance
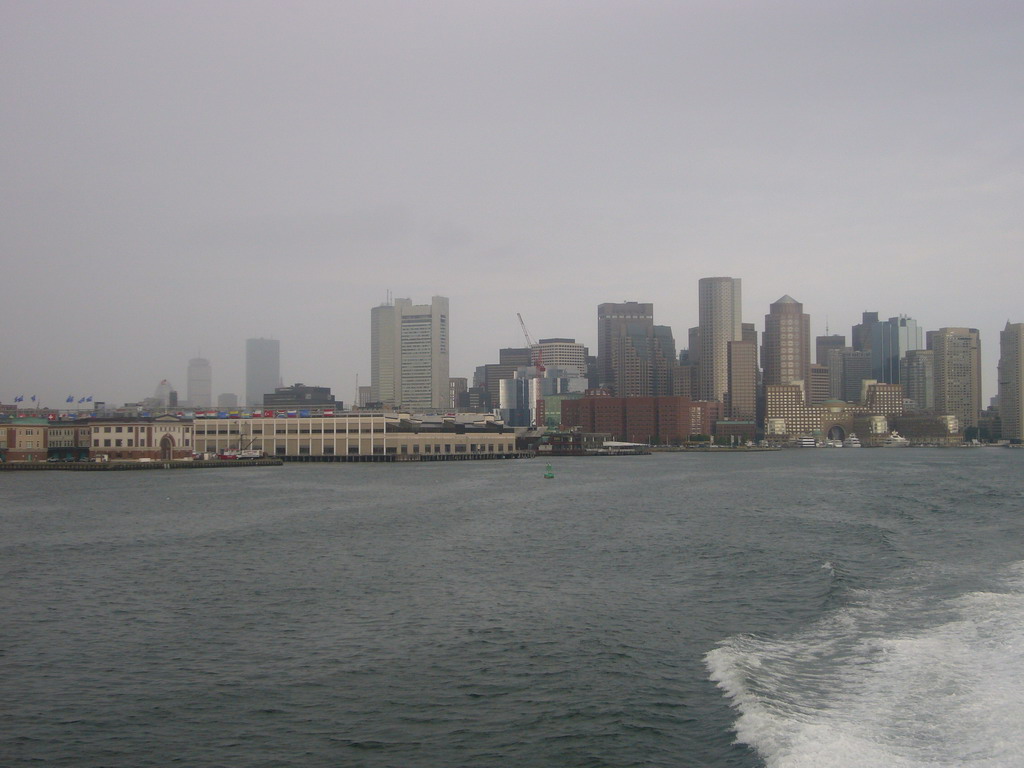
(900, 681)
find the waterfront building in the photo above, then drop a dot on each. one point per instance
(786, 343)
(883, 398)
(24, 439)
(929, 429)
(1011, 381)
(262, 369)
(360, 436)
(409, 354)
(789, 416)
(130, 439)
(67, 440)
(719, 310)
(655, 420)
(819, 386)
(199, 386)
(957, 373)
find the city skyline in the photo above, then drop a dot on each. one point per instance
(175, 182)
(269, 351)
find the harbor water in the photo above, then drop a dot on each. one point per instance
(791, 609)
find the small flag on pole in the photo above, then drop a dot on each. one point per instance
(71, 399)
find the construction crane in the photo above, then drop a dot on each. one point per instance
(530, 343)
(539, 365)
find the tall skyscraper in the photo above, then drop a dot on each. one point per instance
(847, 368)
(719, 312)
(165, 395)
(741, 398)
(786, 343)
(615, 321)
(860, 334)
(825, 344)
(1011, 381)
(262, 369)
(200, 383)
(957, 373)
(917, 375)
(409, 354)
(890, 342)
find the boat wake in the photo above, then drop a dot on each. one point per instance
(902, 679)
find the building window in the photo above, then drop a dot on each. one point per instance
(118, 443)
(106, 443)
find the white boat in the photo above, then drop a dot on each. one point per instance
(806, 442)
(895, 440)
(852, 441)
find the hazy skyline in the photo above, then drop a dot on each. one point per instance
(179, 177)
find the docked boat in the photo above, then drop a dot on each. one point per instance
(895, 440)
(852, 441)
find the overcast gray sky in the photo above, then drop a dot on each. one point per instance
(178, 177)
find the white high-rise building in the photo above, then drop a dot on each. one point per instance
(262, 369)
(719, 311)
(200, 383)
(1011, 381)
(409, 355)
(562, 353)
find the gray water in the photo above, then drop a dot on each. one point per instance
(798, 608)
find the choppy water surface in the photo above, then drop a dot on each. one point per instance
(801, 608)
